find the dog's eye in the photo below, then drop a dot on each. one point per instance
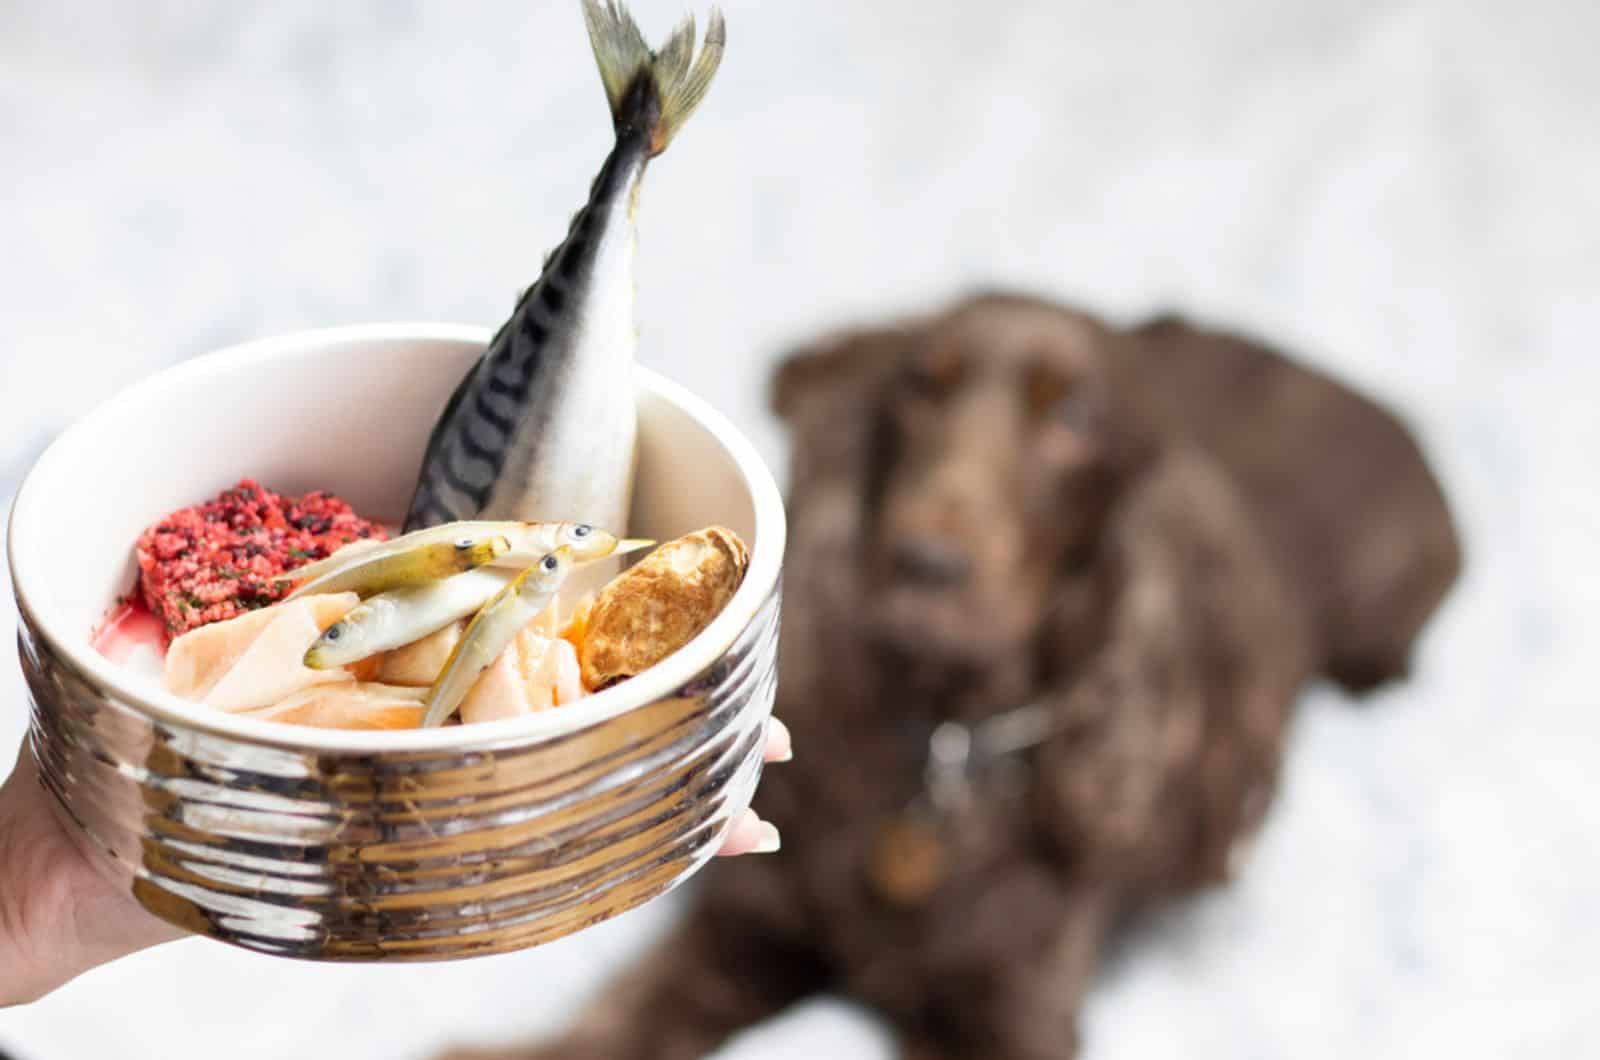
(1074, 410)
(934, 374)
(1047, 390)
(1055, 399)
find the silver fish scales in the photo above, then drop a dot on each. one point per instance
(543, 427)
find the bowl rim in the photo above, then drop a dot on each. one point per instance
(662, 680)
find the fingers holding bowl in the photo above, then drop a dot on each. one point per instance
(780, 745)
(750, 834)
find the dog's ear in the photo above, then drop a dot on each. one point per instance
(1163, 327)
(1367, 522)
(847, 366)
(1134, 440)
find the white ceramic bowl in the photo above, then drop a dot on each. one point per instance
(356, 845)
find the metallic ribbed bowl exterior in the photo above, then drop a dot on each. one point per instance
(418, 855)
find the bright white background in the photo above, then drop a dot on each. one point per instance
(1404, 192)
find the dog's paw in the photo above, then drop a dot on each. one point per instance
(526, 1052)
(552, 1050)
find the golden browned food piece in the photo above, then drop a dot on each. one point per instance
(658, 605)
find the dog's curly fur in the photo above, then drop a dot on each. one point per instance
(1160, 533)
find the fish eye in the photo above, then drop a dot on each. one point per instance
(550, 564)
(333, 633)
(582, 530)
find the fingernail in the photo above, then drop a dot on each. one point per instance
(779, 732)
(770, 842)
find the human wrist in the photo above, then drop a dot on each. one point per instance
(59, 916)
(23, 975)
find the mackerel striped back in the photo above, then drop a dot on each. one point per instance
(567, 351)
(473, 437)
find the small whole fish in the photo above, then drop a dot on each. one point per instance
(380, 570)
(491, 630)
(529, 542)
(543, 424)
(392, 619)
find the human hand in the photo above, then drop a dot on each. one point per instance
(59, 917)
(750, 834)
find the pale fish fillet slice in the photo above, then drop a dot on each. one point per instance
(419, 662)
(547, 623)
(254, 660)
(349, 705)
(506, 688)
(560, 673)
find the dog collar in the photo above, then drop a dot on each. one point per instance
(913, 849)
(957, 752)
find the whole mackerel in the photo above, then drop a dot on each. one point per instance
(543, 425)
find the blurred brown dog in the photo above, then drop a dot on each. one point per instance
(1052, 591)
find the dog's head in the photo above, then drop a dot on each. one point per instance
(990, 442)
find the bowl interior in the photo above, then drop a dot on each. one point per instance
(347, 410)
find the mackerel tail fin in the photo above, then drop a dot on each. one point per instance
(649, 91)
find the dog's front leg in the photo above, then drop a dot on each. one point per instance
(1171, 732)
(730, 964)
(1010, 998)
(1101, 783)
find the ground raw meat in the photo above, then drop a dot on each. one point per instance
(227, 556)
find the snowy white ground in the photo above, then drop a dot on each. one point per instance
(1403, 192)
